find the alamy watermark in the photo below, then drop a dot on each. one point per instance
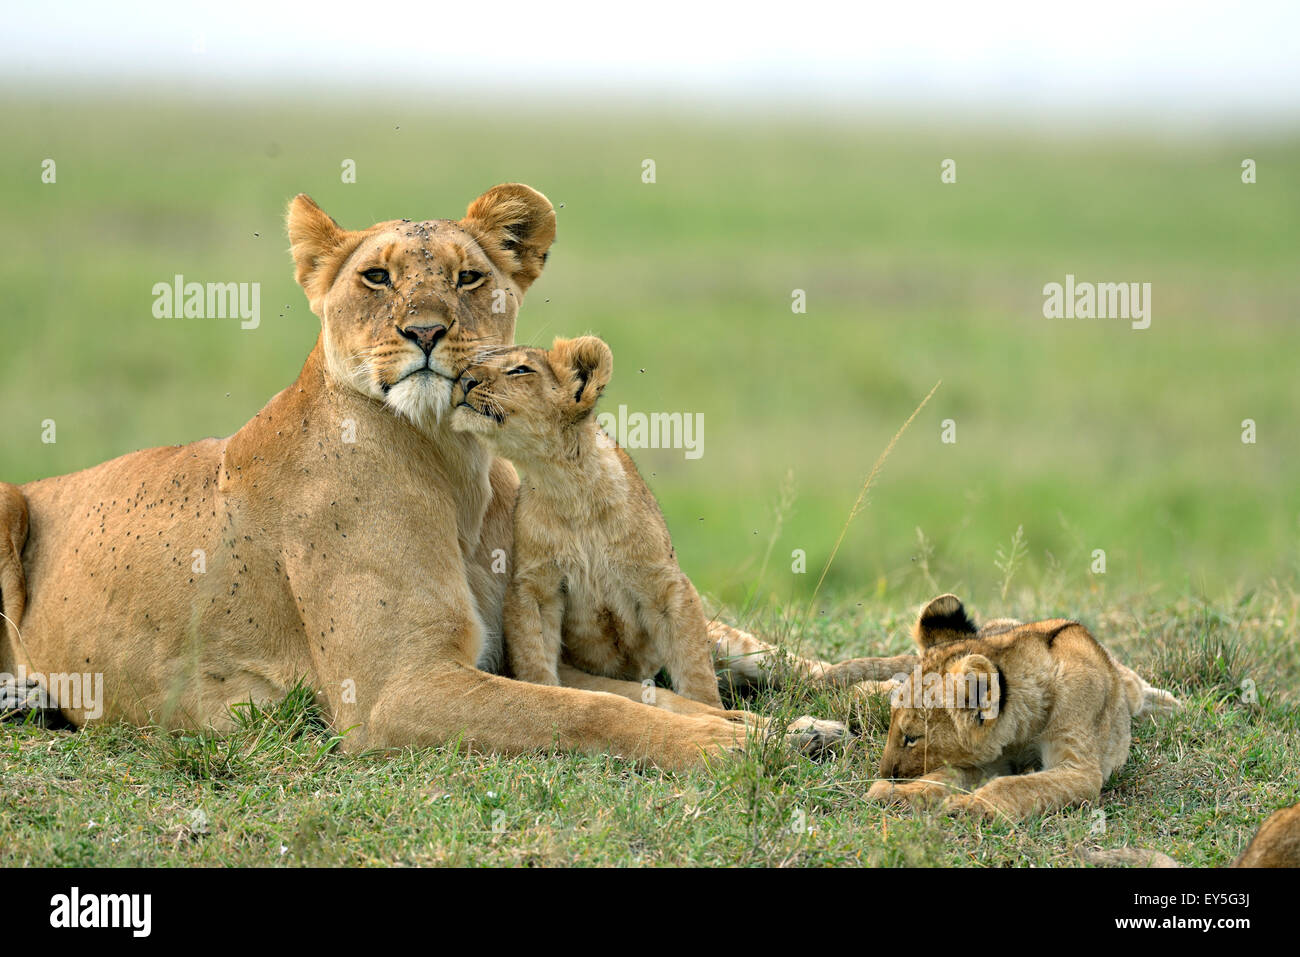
(81, 691)
(75, 909)
(1104, 300)
(922, 691)
(655, 430)
(179, 299)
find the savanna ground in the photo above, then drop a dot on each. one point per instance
(1072, 436)
(277, 792)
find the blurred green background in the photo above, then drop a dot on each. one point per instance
(1085, 433)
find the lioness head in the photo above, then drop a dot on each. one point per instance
(405, 305)
(946, 710)
(527, 401)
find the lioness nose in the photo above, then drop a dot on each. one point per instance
(426, 337)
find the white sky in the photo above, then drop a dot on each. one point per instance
(1192, 57)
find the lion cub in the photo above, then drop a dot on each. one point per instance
(983, 706)
(595, 578)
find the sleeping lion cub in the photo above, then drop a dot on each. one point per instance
(595, 579)
(983, 706)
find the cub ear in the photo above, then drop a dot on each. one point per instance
(943, 619)
(318, 245)
(586, 364)
(516, 226)
(979, 688)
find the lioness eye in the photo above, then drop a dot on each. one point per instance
(519, 370)
(378, 277)
(908, 740)
(468, 277)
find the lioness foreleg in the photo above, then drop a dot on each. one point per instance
(648, 694)
(807, 734)
(450, 703)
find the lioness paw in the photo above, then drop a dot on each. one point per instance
(18, 698)
(816, 736)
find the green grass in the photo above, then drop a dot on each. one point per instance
(279, 791)
(1071, 437)
(1086, 433)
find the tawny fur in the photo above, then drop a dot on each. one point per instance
(1050, 725)
(13, 580)
(595, 578)
(1275, 844)
(345, 535)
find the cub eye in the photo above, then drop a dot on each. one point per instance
(469, 277)
(519, 370)
(376, 277)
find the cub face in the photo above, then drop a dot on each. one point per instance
(405, 306)
(947, 710)
(527, 401)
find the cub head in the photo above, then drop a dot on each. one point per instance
(404, 306)
(527, 402)
(946, 711)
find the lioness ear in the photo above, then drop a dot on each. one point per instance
(587, 364)
(515, 225)
(943, 619)
(978, 688)
(318, 244)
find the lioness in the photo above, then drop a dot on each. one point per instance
(983, 706)
(594, 576)
(344, 535)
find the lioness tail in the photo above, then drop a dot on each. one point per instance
(13, 583)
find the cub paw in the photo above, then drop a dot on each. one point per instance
(883, 792)
(972, 806)
(918, 793)
(876, 689)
